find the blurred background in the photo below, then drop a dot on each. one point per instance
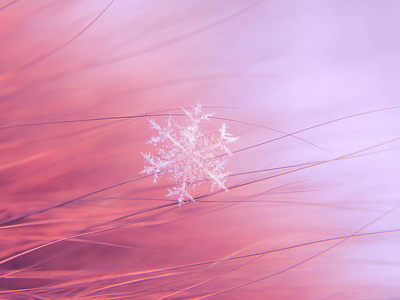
(310, 87)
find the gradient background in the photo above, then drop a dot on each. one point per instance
(309, 216)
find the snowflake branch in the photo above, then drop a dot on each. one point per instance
(189, 153)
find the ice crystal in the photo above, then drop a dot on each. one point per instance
(189, 153)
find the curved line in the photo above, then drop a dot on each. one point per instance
(9, 222)
(318, 125)
(176, 39)
(88, 120)
(353, 154)
(89, 233)
(341, 241)
(8, 5)
(40, 58)
(270, 128)
(254, 254)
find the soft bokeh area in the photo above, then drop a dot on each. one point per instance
(310, 87)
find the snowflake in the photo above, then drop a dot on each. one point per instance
(189, 153)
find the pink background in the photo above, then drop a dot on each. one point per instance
(327, 227)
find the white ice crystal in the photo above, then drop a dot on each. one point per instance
(189, 153)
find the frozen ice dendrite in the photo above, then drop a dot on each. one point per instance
(189, 153)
